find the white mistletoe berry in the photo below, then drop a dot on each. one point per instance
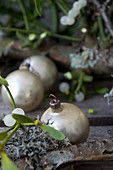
(18, 111)
(70, 20)
(84, 30)
(83, 3)
(79, 97)
(64, 87)
(63, 20)
(77, 5)
(73, 12)
(8, 120)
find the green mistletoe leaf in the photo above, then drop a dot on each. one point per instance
(52, 132)
(7, 164)
(3, 81)
(3, 135)
(37, 5)
(102, 90)
(22, 118)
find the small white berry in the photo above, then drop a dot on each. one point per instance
(64, 87)
(77, 5)
(63, 20)
(9, 121)
(31, 37)
(70, 21)
(84, 30)
(18, 111)
(79, 97)
(83, 3)
(73, 12)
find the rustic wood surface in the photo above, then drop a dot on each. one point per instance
(103, 113)
(101, 131)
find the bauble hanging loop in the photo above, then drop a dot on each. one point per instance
(54, 102)
(67, 118)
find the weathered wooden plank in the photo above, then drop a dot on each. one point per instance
(75, 165)
(87, 165)
(101, 127)
(97, 147)
(103, 112)
(90, 151)
(100, 132)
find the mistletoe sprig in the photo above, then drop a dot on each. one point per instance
(77, 89)
(20, 120)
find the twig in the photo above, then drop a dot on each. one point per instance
(24, 14)
(107, 2)
(9, 136)
(54, 17)
(101, 9)
(37, 32)
(20, 30)
(100, 25)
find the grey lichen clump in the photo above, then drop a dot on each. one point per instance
(109, 96)
(87, 58)
(32, 143)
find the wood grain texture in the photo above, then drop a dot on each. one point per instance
(101, 131)
(103, 113)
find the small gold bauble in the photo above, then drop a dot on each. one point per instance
(26, 88)
(67, 118)
(45, 69)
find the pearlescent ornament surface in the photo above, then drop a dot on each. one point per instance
(26, 88)
(45, 69)
(70, 120)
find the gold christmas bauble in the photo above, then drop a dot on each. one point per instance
(67, 118)
(26, 88)
(45, 69)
